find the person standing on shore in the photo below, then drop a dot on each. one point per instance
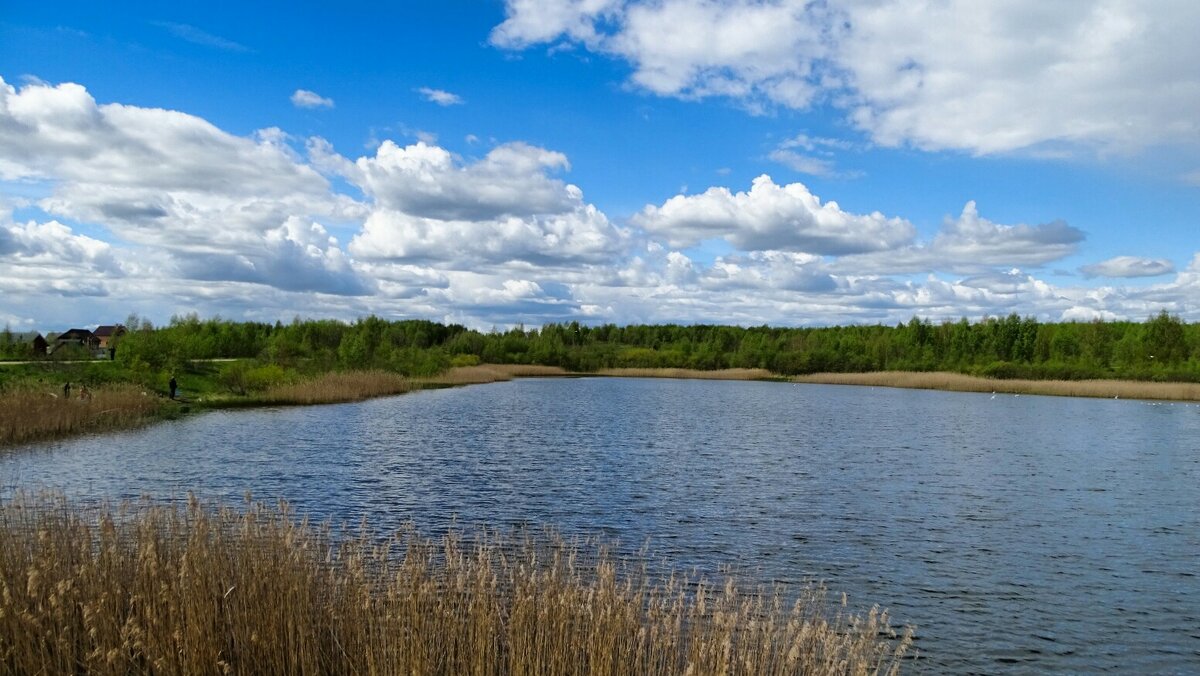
(173, 386)
(67, 390)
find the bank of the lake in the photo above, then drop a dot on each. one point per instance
(35, 411)
(957, 382)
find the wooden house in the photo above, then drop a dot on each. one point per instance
(81, 338)
(107, 335)
(28, 341)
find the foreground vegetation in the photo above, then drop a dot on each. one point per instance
(173, 590)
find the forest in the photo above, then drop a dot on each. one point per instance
(1162, 348)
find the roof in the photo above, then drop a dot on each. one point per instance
(106, 331)
(25, 336)
(75, 334)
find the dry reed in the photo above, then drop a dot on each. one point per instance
(1125, 389)
(719, 374)
(174, 590)
(491, 373)
(31, 413)
(330, 388)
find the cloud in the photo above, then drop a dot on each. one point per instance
(171, 181)
(53, 244)
(163, 212)
(972, 243)
(441, 97)
(38, 258)
(428, 181)
(303, 98)
(753, 51)
(296, 256)
(1129, 266)
(197, 36)
(980, 77)
(429, 205)
(772, 217)
(805, 164)
(582, 235)
(532, 21)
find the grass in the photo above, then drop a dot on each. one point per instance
(336, 387)
(188, 590)
(29, 413)
(719, 374)
(1124, 389)
(491, 373)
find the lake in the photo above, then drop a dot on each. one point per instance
(1020, 534)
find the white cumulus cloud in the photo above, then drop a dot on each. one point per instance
(303, 98)
(955, 74)
(440, 96)
(772, 217)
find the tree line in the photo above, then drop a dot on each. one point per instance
(1161, 348)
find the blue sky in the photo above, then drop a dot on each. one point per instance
(495, 163)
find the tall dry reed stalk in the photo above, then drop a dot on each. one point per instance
(1125, 389)
(491, 373)
(719, 374)
(189, 590)
(31, 413)
(329, 388)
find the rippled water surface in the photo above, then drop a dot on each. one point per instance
(1020, 534)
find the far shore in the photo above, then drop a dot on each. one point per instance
(28, 415)
(957, 382)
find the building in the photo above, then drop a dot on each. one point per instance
(81, 338)
(108, 335)
(30, 342)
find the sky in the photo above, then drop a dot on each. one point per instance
(496, 163)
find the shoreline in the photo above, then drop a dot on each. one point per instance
(957, 382)
(332, 388)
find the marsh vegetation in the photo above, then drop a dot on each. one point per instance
(31, 412)
(957, 382)
(144, 588)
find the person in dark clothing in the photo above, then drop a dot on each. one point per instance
(173, 386)
(67, 390)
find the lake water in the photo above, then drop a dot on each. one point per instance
(1019, 534)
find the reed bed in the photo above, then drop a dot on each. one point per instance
(491, 373)
(31, 413)
(1124, 389)
(696, 374)
(146, 588)
(336, 387)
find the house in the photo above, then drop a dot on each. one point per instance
(31, 342)
(81, 338)
(108, 335)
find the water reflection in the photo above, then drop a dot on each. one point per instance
(1021, 534)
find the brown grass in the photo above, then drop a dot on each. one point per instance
(1125, 389)
(721, 374)
(166, 590)
(32, 413)
(330, 388)
(491, 373)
